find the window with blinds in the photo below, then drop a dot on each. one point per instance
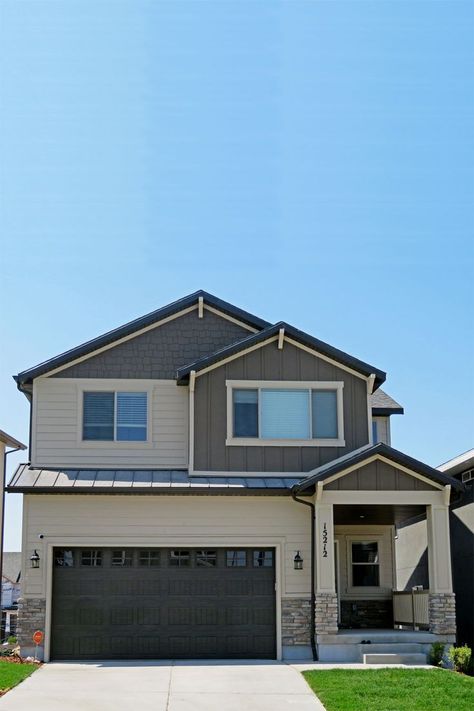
(114, 416)
(285, 413)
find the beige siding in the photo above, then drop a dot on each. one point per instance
(411, 555)
(167, 521)
(383, 535)
(383, 429)
(57, 435)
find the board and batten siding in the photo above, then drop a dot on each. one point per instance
(57, 426)
(270, 363)
(167, 521)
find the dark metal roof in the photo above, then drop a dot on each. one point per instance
(384, 405)
(294, 333)
(28, 480)
(26, 376)
(362, 455)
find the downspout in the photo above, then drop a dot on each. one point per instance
(313, 558)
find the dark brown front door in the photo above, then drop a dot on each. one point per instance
(163, 603)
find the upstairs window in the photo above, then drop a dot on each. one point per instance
(114, 416)
(299, 414)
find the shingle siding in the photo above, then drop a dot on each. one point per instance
(158, 353)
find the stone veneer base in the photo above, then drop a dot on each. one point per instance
(295, 622)
(442, 613)
(326, 613)
(31, 617)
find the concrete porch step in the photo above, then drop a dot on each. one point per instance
(400, 658)
(401, 648)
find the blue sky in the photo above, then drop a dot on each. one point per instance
(308, 161)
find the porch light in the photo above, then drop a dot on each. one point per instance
(35, 560)
(298, 561)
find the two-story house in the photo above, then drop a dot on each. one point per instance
(205, 484)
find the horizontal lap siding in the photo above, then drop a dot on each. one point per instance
(164, 521)
(57, 427)
(270, 363)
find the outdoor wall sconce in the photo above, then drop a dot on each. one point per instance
(298, 561)
(35, 560)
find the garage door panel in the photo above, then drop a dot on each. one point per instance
(199, 604)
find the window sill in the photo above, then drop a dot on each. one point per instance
(107, 444)
(256, 442)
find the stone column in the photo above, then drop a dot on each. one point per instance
(442, 606)
(31, 617)
(326, 598)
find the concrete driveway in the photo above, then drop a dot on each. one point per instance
(163, 686)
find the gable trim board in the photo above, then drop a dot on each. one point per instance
(137, 327)
(291, 335)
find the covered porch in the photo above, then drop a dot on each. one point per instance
(364, 596)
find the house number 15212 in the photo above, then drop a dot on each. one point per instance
(325, 540)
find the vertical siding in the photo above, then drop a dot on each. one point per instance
(378, 476)
(270, 363)
(57, 427)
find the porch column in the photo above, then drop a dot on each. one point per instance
(326, 599)
(442, 608)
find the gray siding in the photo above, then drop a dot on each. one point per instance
(270, 363)
(157, 353)
(378, 476)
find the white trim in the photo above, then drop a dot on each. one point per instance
(447, 494)
(370, 590)
(108, 542)
(370, 386)
(281, 338)
(200, 307)
(115, 386)
(381, 458)
(383, 497)
(192, 383)
(231, 318)
(308, 385)
(312, 351)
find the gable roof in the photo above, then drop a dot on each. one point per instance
(25, 378)
(11, 441)
(361, 456)
(295, 334)
(383, 405)
(463, 462)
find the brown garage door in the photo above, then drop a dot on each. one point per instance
(159, 603)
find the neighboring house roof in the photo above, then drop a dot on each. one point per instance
(361, 456)
(25, 378)
(11, 441)
(295, 334)
(384, 405)
(11, 568)
(128, 481)
(458, 465)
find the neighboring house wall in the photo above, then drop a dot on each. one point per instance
(157, 353)
(462, 550)
(411, 555)
(383, 429)
(270, 363)
(57, 426)
(10, 593)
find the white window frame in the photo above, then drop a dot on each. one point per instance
(114, 387)
(367, 589)
(232, 385)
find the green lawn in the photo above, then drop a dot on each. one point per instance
(392, 689)
(12, 674)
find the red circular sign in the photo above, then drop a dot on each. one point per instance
(38, 637)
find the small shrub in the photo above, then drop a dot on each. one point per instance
(12, 639)
(436, 653)
(461, 658)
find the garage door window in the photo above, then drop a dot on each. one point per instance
(122, 559)
(91, 558)
(236, 559)
(262, 559)
(148, 559)
(64, 559)
(206, 559)
(179, 559)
